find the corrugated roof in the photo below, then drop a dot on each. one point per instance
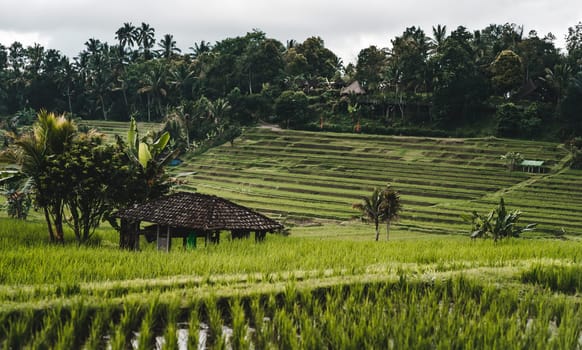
(199, 211)
(531, 163)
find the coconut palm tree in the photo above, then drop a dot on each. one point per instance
(390, 208)
(371, 208)
(154, 87)
(145, 39)
(558, 79)
(200, 49)
(168, 47)
(126, 36)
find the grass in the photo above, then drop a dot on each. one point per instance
(327, 285)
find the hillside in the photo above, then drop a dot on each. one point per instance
(304, 176)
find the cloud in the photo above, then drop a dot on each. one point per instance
(346, 27)
(7, 38)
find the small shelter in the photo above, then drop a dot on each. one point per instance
(355, 88)
(533, 166)
(191, 215)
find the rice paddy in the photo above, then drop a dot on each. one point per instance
(328, 284)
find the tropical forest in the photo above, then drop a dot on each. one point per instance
(250, 193)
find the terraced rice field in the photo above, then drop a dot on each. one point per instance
(306, 176)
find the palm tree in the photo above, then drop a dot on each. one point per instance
(168, 47)
(145, 39)
(558, 79)
(126, 36)
(51, 135)
(200, 49)
(390, 208)
(218, 110)
(439, 35)
(154, 86)
(371, 209)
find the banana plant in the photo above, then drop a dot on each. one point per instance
(498, 224)
(144, 152)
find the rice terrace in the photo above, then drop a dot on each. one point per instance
(255, 194)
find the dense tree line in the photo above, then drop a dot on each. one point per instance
(496, 78)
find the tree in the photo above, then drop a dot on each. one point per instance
(126, 36)
(97, 175)
(145, 38)
(571, 108)
(408, 56)
(557, 80)
(371, 209)
(321, 62)
(153, 85)
(168, 47)
(509, 119)
(218, 110)
(390, 208)
(507, 73)
(200, 49)
(371, 66)
(512, 160)
(382, 206)
(574, 45)
(498, 224)
(51, 136)
(459, 85)
(292, 108)
(439, 34)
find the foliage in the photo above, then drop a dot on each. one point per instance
(507, 73)
(291, 108)
(512, 160)
(382, 206)
(498, 224)
(570, 108)
(575, 147)
(18, 202)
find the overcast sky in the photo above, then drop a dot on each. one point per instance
(345, 26)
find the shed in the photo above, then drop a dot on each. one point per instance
(184, 214)
(532, 166)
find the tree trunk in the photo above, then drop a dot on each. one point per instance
(58, 219)
(149, 109)
(377, 231)
(69, 100)
(49, 224)
(388, 230)
(103, 107)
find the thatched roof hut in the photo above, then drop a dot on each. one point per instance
(200, 213)
(355, 88)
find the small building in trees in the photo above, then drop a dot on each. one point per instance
(533, 166)
(355, 88)
(189, 216)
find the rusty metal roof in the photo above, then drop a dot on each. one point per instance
(199, 211)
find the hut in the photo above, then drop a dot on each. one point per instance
(355, 88)
(190, 215)
(533, 166)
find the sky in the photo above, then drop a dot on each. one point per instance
(345, 26)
